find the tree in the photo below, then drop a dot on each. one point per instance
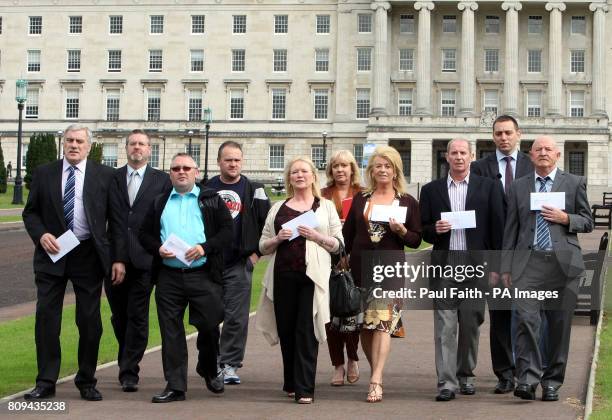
(95, 154)
(2, 172)
(41, 150)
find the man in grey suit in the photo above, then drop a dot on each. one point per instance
(547, 258)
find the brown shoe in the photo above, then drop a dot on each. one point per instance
(352, 374)
(338, 377)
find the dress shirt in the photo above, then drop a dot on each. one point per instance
(501, 164)
(457, 193)
(548, 186)
(80, 225)
(138, 179)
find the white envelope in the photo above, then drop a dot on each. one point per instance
(382, 213)
(178, 247)
(307, 219)
(552, 199)
(67, 242)
(460, 219)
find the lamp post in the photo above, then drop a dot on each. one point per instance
(189, 147)
(324, 164)
(207, 119)
(21, 97)
(60, 133)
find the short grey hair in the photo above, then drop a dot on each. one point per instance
(469, 144)
(79, 127)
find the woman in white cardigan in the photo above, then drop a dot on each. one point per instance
(294, 306)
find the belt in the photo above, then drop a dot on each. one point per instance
(185, 270)
(544, 255)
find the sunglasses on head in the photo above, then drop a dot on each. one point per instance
(183, 168)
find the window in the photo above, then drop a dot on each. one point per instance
(317, 155)
(280, 60)
(363, 103)
(33, 60)
(407, 24)
(276, 155)
(534, 103)
(358, 153)
(321, 101)
(364, 59)
(74, 60)
(76, 25)
(238, 60)
(154, 159)
(153, 104)
(447, 99)
(492, 24)
(115, 24)
(195, 105)
(576, 163)
(239, 26)
(197, 60)
(31, 107)
(577, 103)
(236, 104)
(534, 25)
(491, 60)
(35, 25)
(195, 152)
(364, 23)
(156, 24)
(281, 24)
(72, 103)
(197, 24)
(405, 102)
(534, 61)
(577, 61)
(449, 60)
(279, 103)
(491, 101)
(155, 60)
(114, 60)
(406, 60)
(109, 154)
(449, 24)
(0, 24)
(112, 104)
(322, 60)
(578, 25)
(323, 24)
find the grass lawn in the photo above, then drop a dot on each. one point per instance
(5, 219)
(7, 197)
(602, 401)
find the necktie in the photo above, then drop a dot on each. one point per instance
(508, 175)
(542, 227)
(69, 194)
(133, 186)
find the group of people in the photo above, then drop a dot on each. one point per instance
(197, 243)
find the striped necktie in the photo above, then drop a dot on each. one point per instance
(543, 241)
(69, 194)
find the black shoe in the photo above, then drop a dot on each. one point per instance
(129, 386)
(550, 393)
(40, 392)
(168, 395)
(467, 389)
(215, 384)
(90, 394)
(525, 391)
(445, 395)
(504, 386)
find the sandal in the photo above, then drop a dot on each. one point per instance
(337, 380)
(291, 394)
(305, 400)
(375, 392)
(352, 375)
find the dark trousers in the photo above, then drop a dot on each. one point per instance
(337, 341)
(85, 272)
(500, 335)
(129, 303)
(293, 295)
(174, 291)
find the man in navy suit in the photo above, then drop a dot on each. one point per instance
(135, 185)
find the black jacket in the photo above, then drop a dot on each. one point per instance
(217, 225)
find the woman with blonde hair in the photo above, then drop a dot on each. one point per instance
(342, 184)
(386, 186)
(294, 305)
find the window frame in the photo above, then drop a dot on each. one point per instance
(321, 26)
(318, 60)
(405, 105)
(153, 103)
(361, 103)
(447, 60)
(116, 27)
(72, 110)
(194, 63)
(577, 66)
(281, 24)
(531, 107)
(447, 22)
(279, 103)
(237, 104)
(279, 60)
(276, 157)
(451, 108)
(408, 61)
(531, 64)
(35, 25)
(73, 26)
(238, 60)
(364, 62)
(73, 61)
(492, 22)
(318, 107)
(410, 22)
(239, 28)
(490, 65)
(198, 28)
(156, 28)
(118, 58)
(156, 60)
(581, 109)
(112, 113)
(31, 65)
(364, 23)
(32, 103)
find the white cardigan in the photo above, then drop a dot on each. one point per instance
(318, 269)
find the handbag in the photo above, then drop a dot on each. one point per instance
(345, 299)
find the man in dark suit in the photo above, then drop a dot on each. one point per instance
(506, 164)
(134, 187)
(546, 258)
(456, 354)
(70, 194)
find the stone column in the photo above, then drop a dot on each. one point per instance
(421, 160)
(468, 77)
(511, 79)
(381, 58)
(423, 85)
(598, 91)
(555, 58)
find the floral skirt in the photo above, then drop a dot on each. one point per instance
(384, 315)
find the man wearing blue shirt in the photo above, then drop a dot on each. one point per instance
(199, 217)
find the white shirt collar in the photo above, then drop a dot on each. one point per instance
(80, 166)
(140, 171)
(450, 180)
(551, 175)
(500, 155)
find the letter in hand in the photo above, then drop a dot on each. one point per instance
(396, 226)
(443, 226)
(555, 215)
(164, 253)
(194, 253)
(49, 243)
(309, 233)
(117, 273)
(283, 235)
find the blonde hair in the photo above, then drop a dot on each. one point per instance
(316, 191)
(346, 156)
(393, 157)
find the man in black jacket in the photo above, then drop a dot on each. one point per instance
(248, 203)
(135, 186)
(199, 218)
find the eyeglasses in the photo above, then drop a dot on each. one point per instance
(181, 168)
